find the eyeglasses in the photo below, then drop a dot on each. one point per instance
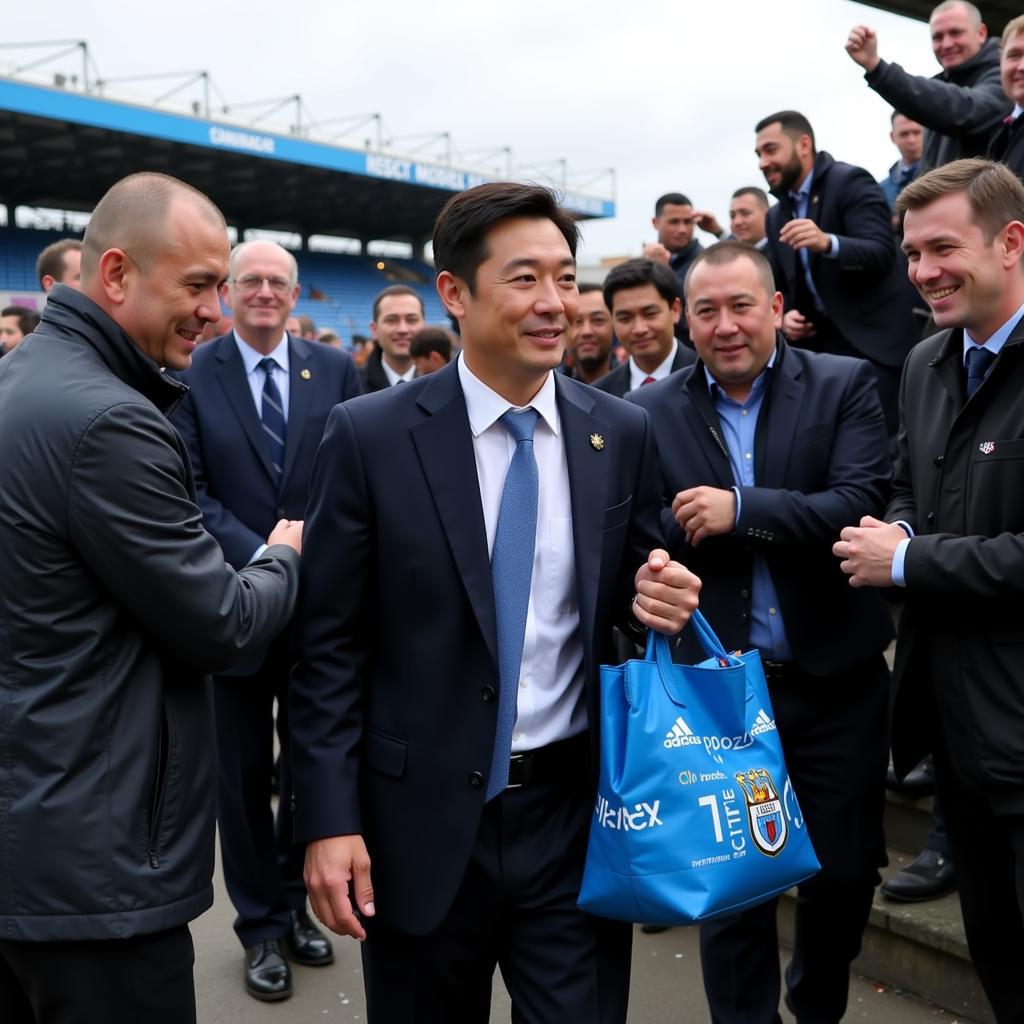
(252, 283)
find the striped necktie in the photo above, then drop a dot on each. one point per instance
(272, 417)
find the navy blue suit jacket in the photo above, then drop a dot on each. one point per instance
(235, 487)
(864, 290)
(394, 700)
(821, 462)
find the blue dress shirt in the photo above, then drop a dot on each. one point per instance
(801, 200)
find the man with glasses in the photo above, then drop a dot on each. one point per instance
(258, 401)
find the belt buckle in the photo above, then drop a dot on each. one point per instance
(515, 759)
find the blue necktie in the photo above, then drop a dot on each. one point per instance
(978, 362)
(273, 418)
(511, 570)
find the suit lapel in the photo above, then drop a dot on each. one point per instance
(302, 388)
(777, 422)
(445, 447)
(231, 375)
(588, 467)
(698, 419)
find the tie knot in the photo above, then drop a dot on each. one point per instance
(267, 365)
(520, 424)
(979, 360)
(647, 380)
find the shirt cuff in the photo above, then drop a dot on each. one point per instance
(898, 558)
(907, 528)
(833, 253)
(258, 553)
(739, 506)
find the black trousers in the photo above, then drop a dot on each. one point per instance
(988, 854)
(262, 867)
(516, 909)
(835, 737)
(143, 980)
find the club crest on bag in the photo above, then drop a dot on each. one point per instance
(768, 826)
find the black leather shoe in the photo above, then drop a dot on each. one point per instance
(306, 944)
(927, 878)
(267, 974)
(920, 781)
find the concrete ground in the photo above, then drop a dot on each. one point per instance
(666, 984)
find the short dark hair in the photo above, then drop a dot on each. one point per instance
(670, 199)
(720, 253)
(28, 319)
(589, 286)
(637, 273)
(431, 339)
(994, 193)
(792, 122)
(50, 262)
(752, 190)
(396, 289)
(306, 324)
(464, 221)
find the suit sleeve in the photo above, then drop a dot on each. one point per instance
(331, 631)
(943, 107)
(133, 522)
(351, 385)
(902, 505)
(858, 478)
(235, 538)
(865, 232)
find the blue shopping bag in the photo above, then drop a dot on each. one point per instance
(695, 813)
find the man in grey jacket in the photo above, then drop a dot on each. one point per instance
(961, 106)
(114, 603)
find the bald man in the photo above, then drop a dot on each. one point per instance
(115, 603)
(258, 401)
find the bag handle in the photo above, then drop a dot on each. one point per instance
(658, 649)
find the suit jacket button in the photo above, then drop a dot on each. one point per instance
(476, 778)
(931, 518)
(280, 514)
(487, 694)
(938, 461)
(744, 616)
(744, 593)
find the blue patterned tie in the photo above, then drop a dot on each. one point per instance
(273, 418)
(978, 362)
(511, 570)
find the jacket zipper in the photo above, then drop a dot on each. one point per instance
(156, 805)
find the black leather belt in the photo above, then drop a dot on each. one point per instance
(565, 760)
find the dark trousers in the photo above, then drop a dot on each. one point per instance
(262, 867)
(988, 853)
(515, 909)
(143, 980)
(835, 737)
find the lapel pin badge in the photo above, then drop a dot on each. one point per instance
(987, 447)
(597, 442)
(305, 375)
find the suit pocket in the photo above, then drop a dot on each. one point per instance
(384, 753)
(618, 514)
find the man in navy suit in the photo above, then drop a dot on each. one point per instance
(472, 538)
(764, 450)
(834, 256)
(253, 418)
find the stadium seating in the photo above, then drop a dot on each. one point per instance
(337, 290)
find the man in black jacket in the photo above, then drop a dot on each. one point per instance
(1007, 144)
(833, 255)
(114, 603)
(962, 105)
(765, 452)
(953, 537)
(397, 316)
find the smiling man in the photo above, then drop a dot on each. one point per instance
(491, 523)
(643, 297)
(1007, 145)
(592, 337)
(258, 399)
(115, 603)
(959, 107)
(765, 450)
(953, 536)
(397, 316)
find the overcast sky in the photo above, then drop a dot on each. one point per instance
(665, 91)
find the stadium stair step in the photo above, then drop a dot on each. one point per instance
(915, 947)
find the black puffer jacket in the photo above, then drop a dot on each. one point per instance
(959, 108)
(114, 602)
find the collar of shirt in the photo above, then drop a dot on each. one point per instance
(902, 167)
(485, 406)
(393, 377)
(801, 195)
(998, 340)
(756, 389)
(638, 376)
(1017, 111)
(251, 357)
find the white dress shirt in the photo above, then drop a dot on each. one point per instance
(638, 376)
(394, 377)
(550, 698)
(251, 359)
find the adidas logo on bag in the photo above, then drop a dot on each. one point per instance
(762, 723)
(681, 735)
